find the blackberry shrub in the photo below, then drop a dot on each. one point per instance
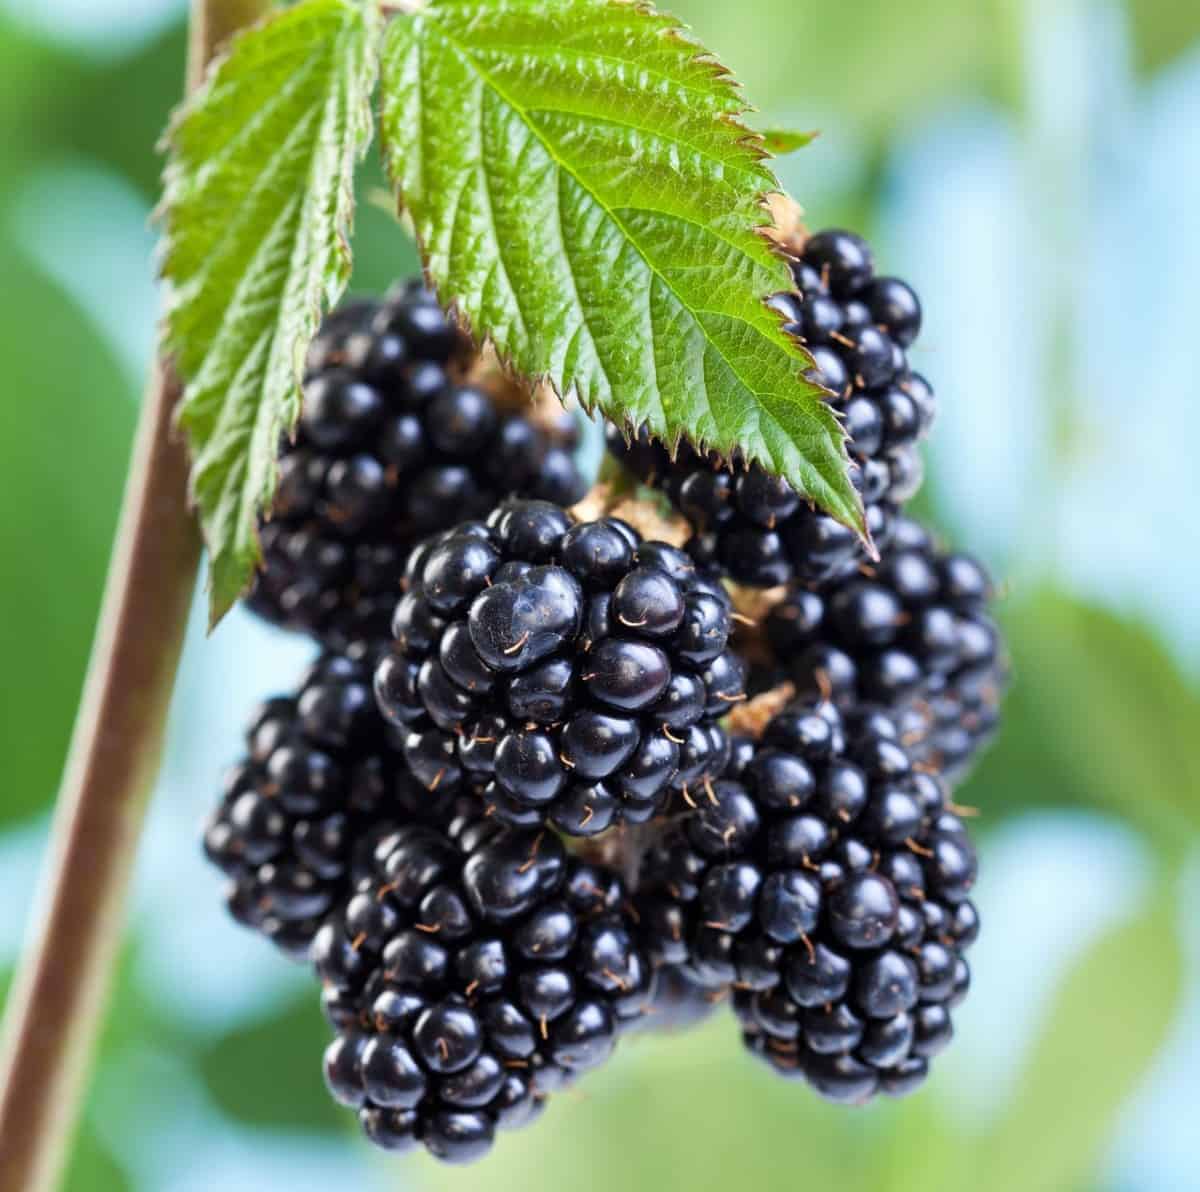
(575, 671)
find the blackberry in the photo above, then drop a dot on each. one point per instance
(301, 812)
(857, 326)
(394, 443)
(473, 973)
(953, 722)
(572, 670)
(827, 879)
(911, 634)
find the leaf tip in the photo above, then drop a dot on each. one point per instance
(864, 533)
(231, 575)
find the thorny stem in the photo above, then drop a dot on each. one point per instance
(58, 998)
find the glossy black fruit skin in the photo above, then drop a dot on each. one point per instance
(320, 783)
(954, 722)
(911, 635)
(573, 671)
(475, 970)
(827, 880)
(392, 445)
(857, 326)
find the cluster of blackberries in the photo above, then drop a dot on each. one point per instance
(856, 326)
(572, 671)
(825, 878)
(475, 971)
(394, 443)
(553, 780)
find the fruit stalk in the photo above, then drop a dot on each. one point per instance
(58, 997)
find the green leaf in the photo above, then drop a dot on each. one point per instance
(1163, 31)
(878, 65)
(93, 1167)
(925, 1148)
(259, 203)
(1093, 678)
(780, 141)
(585, 194)
(267, 1073)
(66, 458)
(1111, 1015)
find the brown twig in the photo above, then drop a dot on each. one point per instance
(61, 986)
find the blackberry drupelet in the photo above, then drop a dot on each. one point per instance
(827, 879)
(911, 634)
(574, 671)
(857, 327)
(954, 721)
(302, 811)
(474, 972)
(393, 444)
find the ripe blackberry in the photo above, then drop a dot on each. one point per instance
(393, 444)
(857, 327)
(911, 634)
(472, 974)
(573, 669)
(302, 811)
(827, 879)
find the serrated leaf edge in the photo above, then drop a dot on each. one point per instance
(336, 276)
(750, 141)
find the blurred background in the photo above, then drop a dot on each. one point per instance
(1031, 166)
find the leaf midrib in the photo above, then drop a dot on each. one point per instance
(522, 112)
(753, 170)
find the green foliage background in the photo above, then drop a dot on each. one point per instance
(1104, 720)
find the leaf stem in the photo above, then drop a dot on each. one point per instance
(58, 997)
